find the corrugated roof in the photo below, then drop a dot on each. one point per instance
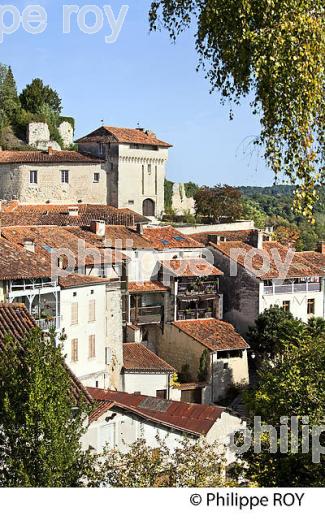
(196, 419)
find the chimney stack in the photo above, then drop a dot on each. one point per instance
(98, 227)
(260, 238)
(29, 245)
(321, 247)
(73, 211)
(50, 150)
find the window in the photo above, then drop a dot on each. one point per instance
(65, 176)
(33, 177)
(101, 148)
(149, 168)
(74, 313)
(162, 394)
(310, 307)
(92, 310)
(91, 346)
(96, 177)
(74, 350)
(142, 179)
(286, 305)
(131, 202)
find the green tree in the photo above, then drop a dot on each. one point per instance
(218, 202)
(251, 211)
(9, 101)
(41, 421)
(294, 387)
(36, 95)
(274, 51)
(191, 464)
(271, 331)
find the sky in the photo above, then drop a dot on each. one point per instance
(142, 78)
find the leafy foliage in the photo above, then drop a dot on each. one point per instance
(36, 94)
(219, 202)
(292, 387)
(168, 195)
(275, 50)
(41, 423)
(191, 464)
(9, 101)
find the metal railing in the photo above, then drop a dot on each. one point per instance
(199, 288)
(293, 288)
(194, 315)
(27, 285)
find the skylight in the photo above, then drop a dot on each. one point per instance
(179, 238)
(165, 242)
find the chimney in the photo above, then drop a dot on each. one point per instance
(260, 238)
(98, 227)
(321, 247)
(73, 211)
(139, 228)
(150, 133)
(50, 150)
(29, 245)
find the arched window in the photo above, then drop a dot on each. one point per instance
(148, 208)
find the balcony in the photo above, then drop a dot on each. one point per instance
(194, 314)
(32, 285)
(46, 324)
(293, 288)
(197, 288)
(146, 315)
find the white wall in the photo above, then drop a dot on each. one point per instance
(88, 370)
(298, 302)
(146, 383)
(213, 228)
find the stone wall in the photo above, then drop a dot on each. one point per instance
(66, 133)
(15, 184)
(114, 338)
(180, 202)
(38, 136)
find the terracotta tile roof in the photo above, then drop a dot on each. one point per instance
(108, 134)
(116, 237)
(212, 333)
(191, 386)
(137, 357)
(33, 157)
(147, 287)
(299, 264)
(196, 419)
(58, 214)
(167, 237)
(316, 259)
(50, 239)
(16, 322)
(80, 280)
(18, 264)
(191, 267)
(246, 235)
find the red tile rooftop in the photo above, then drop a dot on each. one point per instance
(147, 287)
(79, 280)
(300, 265)
(138, 358)
(108, 134)
(18, 264)
(196, 419)
(167, 237)
(33, 157)
(212, 333)
(191, 267)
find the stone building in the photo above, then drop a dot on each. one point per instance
(135, 161)
(34, 177)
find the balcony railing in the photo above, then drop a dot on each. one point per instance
(199, 288)
(293, 288)
(145, 315)
(46, 324)
(31, 285)
(194, 315)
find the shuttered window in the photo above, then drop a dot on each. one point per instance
(74, 350)
(91, 346)
(92, 310)
(74, 313)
